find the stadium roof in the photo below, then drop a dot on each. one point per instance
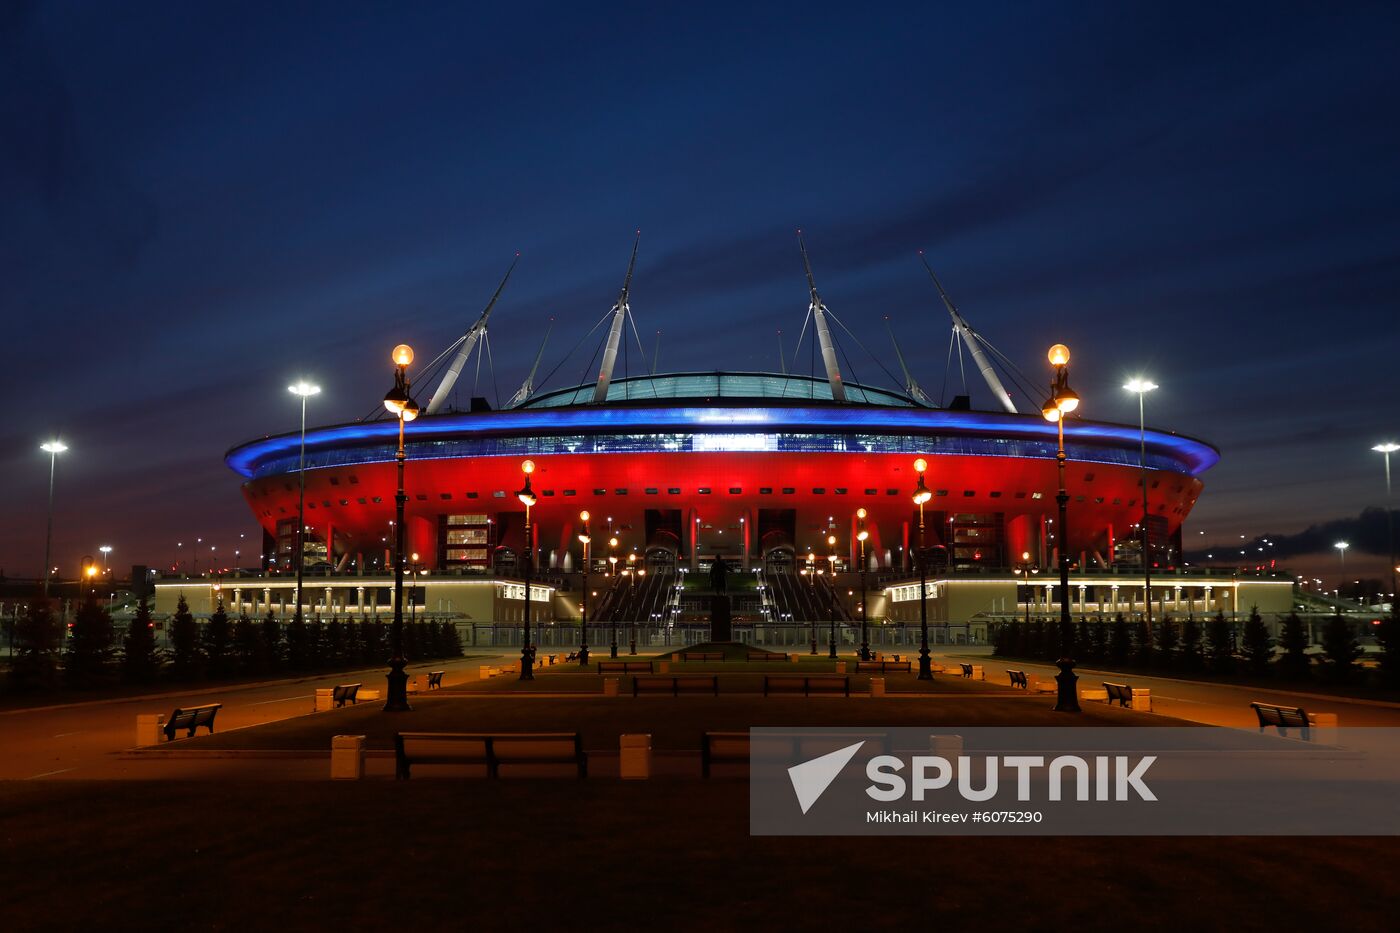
(721, 385)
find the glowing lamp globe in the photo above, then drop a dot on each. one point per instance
(1058, 355)
(402, 355)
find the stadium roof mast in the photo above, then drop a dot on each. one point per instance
(468, 344)
(818, 312)
(620, 311)
(911, 385)
(527, 388)
(973, 341)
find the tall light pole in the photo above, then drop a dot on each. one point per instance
(922, 495)
(812, 578)
(527, 496)
(1025, 569)
(585, 538)
(400, 404)
(861, 535)
(305, 390)
(1141, 387)
(53, 448)
(1061, 402)
(831, 609)
(1341, 547)
(612, 572)
(1386, 450)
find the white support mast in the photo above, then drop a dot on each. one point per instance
(469, 341)
(818, 312)
(911, 386)
(973, 342)
(527, 388)
(619, 313)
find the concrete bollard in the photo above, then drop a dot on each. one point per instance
(877, 686)
(364, 695)
(978, 673)
(663, 667)
(1090, 693)
(1142, 700)
(148, 728)
(634, 761)
(793, 657)
(324, 699)
(414, 686)
(484, 671)
(946, 746)
(1324, 728)
(347, 758)
(840, 667)
(610, 686)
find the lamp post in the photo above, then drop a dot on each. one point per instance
(812, 579)
(831, 592)
(527, 496)
(305, 390)
(861, 536)
(1061, 402)
(1341, 547)
(632, 643)
(53, 448)
(612, 572)
(585, 538)
(1141, 387)
(922, 495)
(1386, 450)
(400, 404)
(1024, 570)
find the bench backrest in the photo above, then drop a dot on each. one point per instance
(488, 748)
(1271, 715)
(828, 682)
(966, 668)
(199, 715)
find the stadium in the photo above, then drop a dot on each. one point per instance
(802, 484)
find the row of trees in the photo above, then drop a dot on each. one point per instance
(1211, 647)
(221, 647)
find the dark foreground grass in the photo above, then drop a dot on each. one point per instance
(607, 855)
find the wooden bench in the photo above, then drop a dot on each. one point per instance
(966, 669)
(1283, 718)
(702, 655)
(765, 656)
(807, 684)
(525, 750)
(435, 679)
(625, 667)
(345, 693)
(572, 656)
(883, 667)
(191, 718)
(1120, 692)
(723, 748)
(1018, 679)
(675, 684)
(735, 748)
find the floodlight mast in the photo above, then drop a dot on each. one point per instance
(818, 312)
(474, 334)
(527, 388)
(911, 385)
(619, 313)
(973, 342)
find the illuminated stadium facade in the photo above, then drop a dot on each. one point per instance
(762, 470)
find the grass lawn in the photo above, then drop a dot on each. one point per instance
(609, 855)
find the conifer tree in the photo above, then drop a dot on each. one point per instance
(218, 643)
(185, 660)
(1258, 646)
(1119, 641)
(1340, 649)
(1219, 652)
(1142, 644)
(1168, 643)
(247, 646)
(1189, 656)
(37, 639)
(140, 658)
(87, 656)
(1294, 664)
(1388, 638)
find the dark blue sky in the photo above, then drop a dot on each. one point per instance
(202, 202)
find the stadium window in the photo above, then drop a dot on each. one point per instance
(471, 495)
(600, 492)
(995, 495)
(819, 491)
(441, 495)
(570, 492)
(344, 501)
(354, 480)
(872, 492)
(619, 492)
(1156, 483)
(840, 490)
(941, 492)
(546, 492)
(765, 490)
(326, 503)
(969, 493)
(334, 481)
(788, 491)
(651, 491)
(1037, 495)
(422, 497)
(735, 491)
(287, 486)
(1078, 498)
(1088, 477)
(1098, 499)
(377, 500)
(672, 491)
(891, 492)
(703, 490)
(362, 501)
(311, 505)
(1021, 495)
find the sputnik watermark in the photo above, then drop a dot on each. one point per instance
(1087, 781)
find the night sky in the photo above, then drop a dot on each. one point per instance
(203, 202)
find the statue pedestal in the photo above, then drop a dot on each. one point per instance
(720, 627)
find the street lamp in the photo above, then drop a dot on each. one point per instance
(1141, 387)
(1341, 547)
(812, 578)
(400, 404)
(922, 495)
(304, 390)
(105, 549)
(831, 592)
(632, 644)
(53, 448)
(1061, 402)
(585, 538)
(631, 574)
(612, 572)
(527, 496)
(861, 535)
(1025, 569)
(1387, 449)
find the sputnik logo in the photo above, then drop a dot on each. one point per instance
(811, 778)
